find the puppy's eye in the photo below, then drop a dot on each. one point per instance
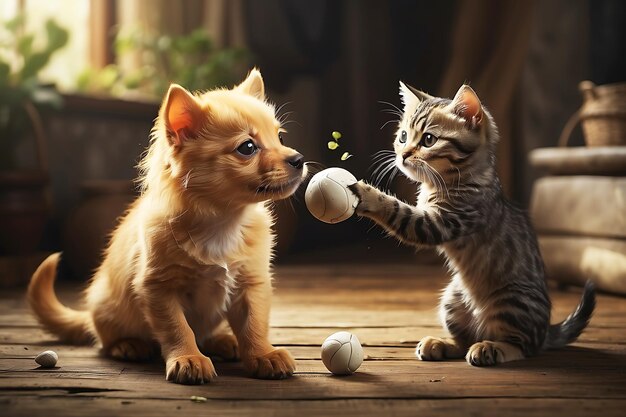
(280, 138)
(428, 140)
(248, 148)
(403, 137)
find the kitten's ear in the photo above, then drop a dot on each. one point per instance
(182, 114)
(467, 105)
(411, 97)
(253, 85)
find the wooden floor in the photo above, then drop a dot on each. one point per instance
(389, 307)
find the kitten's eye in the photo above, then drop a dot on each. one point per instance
(403, 136)
(280, 138)
(248, 148)
(428, 140)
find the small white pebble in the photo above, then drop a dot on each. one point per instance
(47, 359)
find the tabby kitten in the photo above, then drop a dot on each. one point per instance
(496, 306)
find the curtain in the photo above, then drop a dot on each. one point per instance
(558, 59)
(489, 47)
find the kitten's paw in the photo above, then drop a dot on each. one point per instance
(223, 345)
(484, 353)
(132, 350)
(363, 192)
(357, 188)
(430, 349)
(190, 370)
(278, 364)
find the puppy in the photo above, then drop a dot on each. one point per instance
(193, 251)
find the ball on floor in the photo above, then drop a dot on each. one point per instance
(342, 353)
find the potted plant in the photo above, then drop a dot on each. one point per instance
(191, 60)
(23, 201)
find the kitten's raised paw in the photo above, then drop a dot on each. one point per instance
(484, 353)
(278, 364)
(223, 345)
(190, 370)
(131, 350)
(430, 349)
(363, 192)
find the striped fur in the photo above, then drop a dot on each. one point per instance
(496, 306)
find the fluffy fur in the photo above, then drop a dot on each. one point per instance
(496, 306)
(193, 251)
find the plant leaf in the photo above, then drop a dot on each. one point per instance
(57, 36)
(346, 156)
(14, 24)
(25, 45)
(34, 64)
(5, 71)
(332, 145)
(13, 96)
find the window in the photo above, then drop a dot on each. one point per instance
(72, 15)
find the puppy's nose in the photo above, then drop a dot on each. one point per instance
(296, 161)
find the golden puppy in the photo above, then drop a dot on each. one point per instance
(194, 249)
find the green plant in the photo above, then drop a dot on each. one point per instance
(190, 60)
(21, 60)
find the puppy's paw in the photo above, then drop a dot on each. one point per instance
(484, 353)
(190, 370)
(223, 345)
(430, 349)
(277, 364)
(132, 350)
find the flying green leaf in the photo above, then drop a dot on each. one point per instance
(198, 399)
(336, 135)
(332, 145)
(346, 155)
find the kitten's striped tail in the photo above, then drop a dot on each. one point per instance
(70, 325)
(569, 329)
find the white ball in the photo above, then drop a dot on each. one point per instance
(342, 353)
(328, 197)
(47, 359)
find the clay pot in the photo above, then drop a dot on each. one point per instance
(602, 115)
(23, 211)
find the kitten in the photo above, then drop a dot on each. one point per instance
(496, 306)
(193, 251)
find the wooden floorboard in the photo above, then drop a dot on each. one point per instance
(390, 308)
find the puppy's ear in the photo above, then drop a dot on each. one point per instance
(467, 105)
(253, 85)
(182, 114)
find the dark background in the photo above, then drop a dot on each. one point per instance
(334, 62)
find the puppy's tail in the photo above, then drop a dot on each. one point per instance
(70, 325)
(569, 329)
